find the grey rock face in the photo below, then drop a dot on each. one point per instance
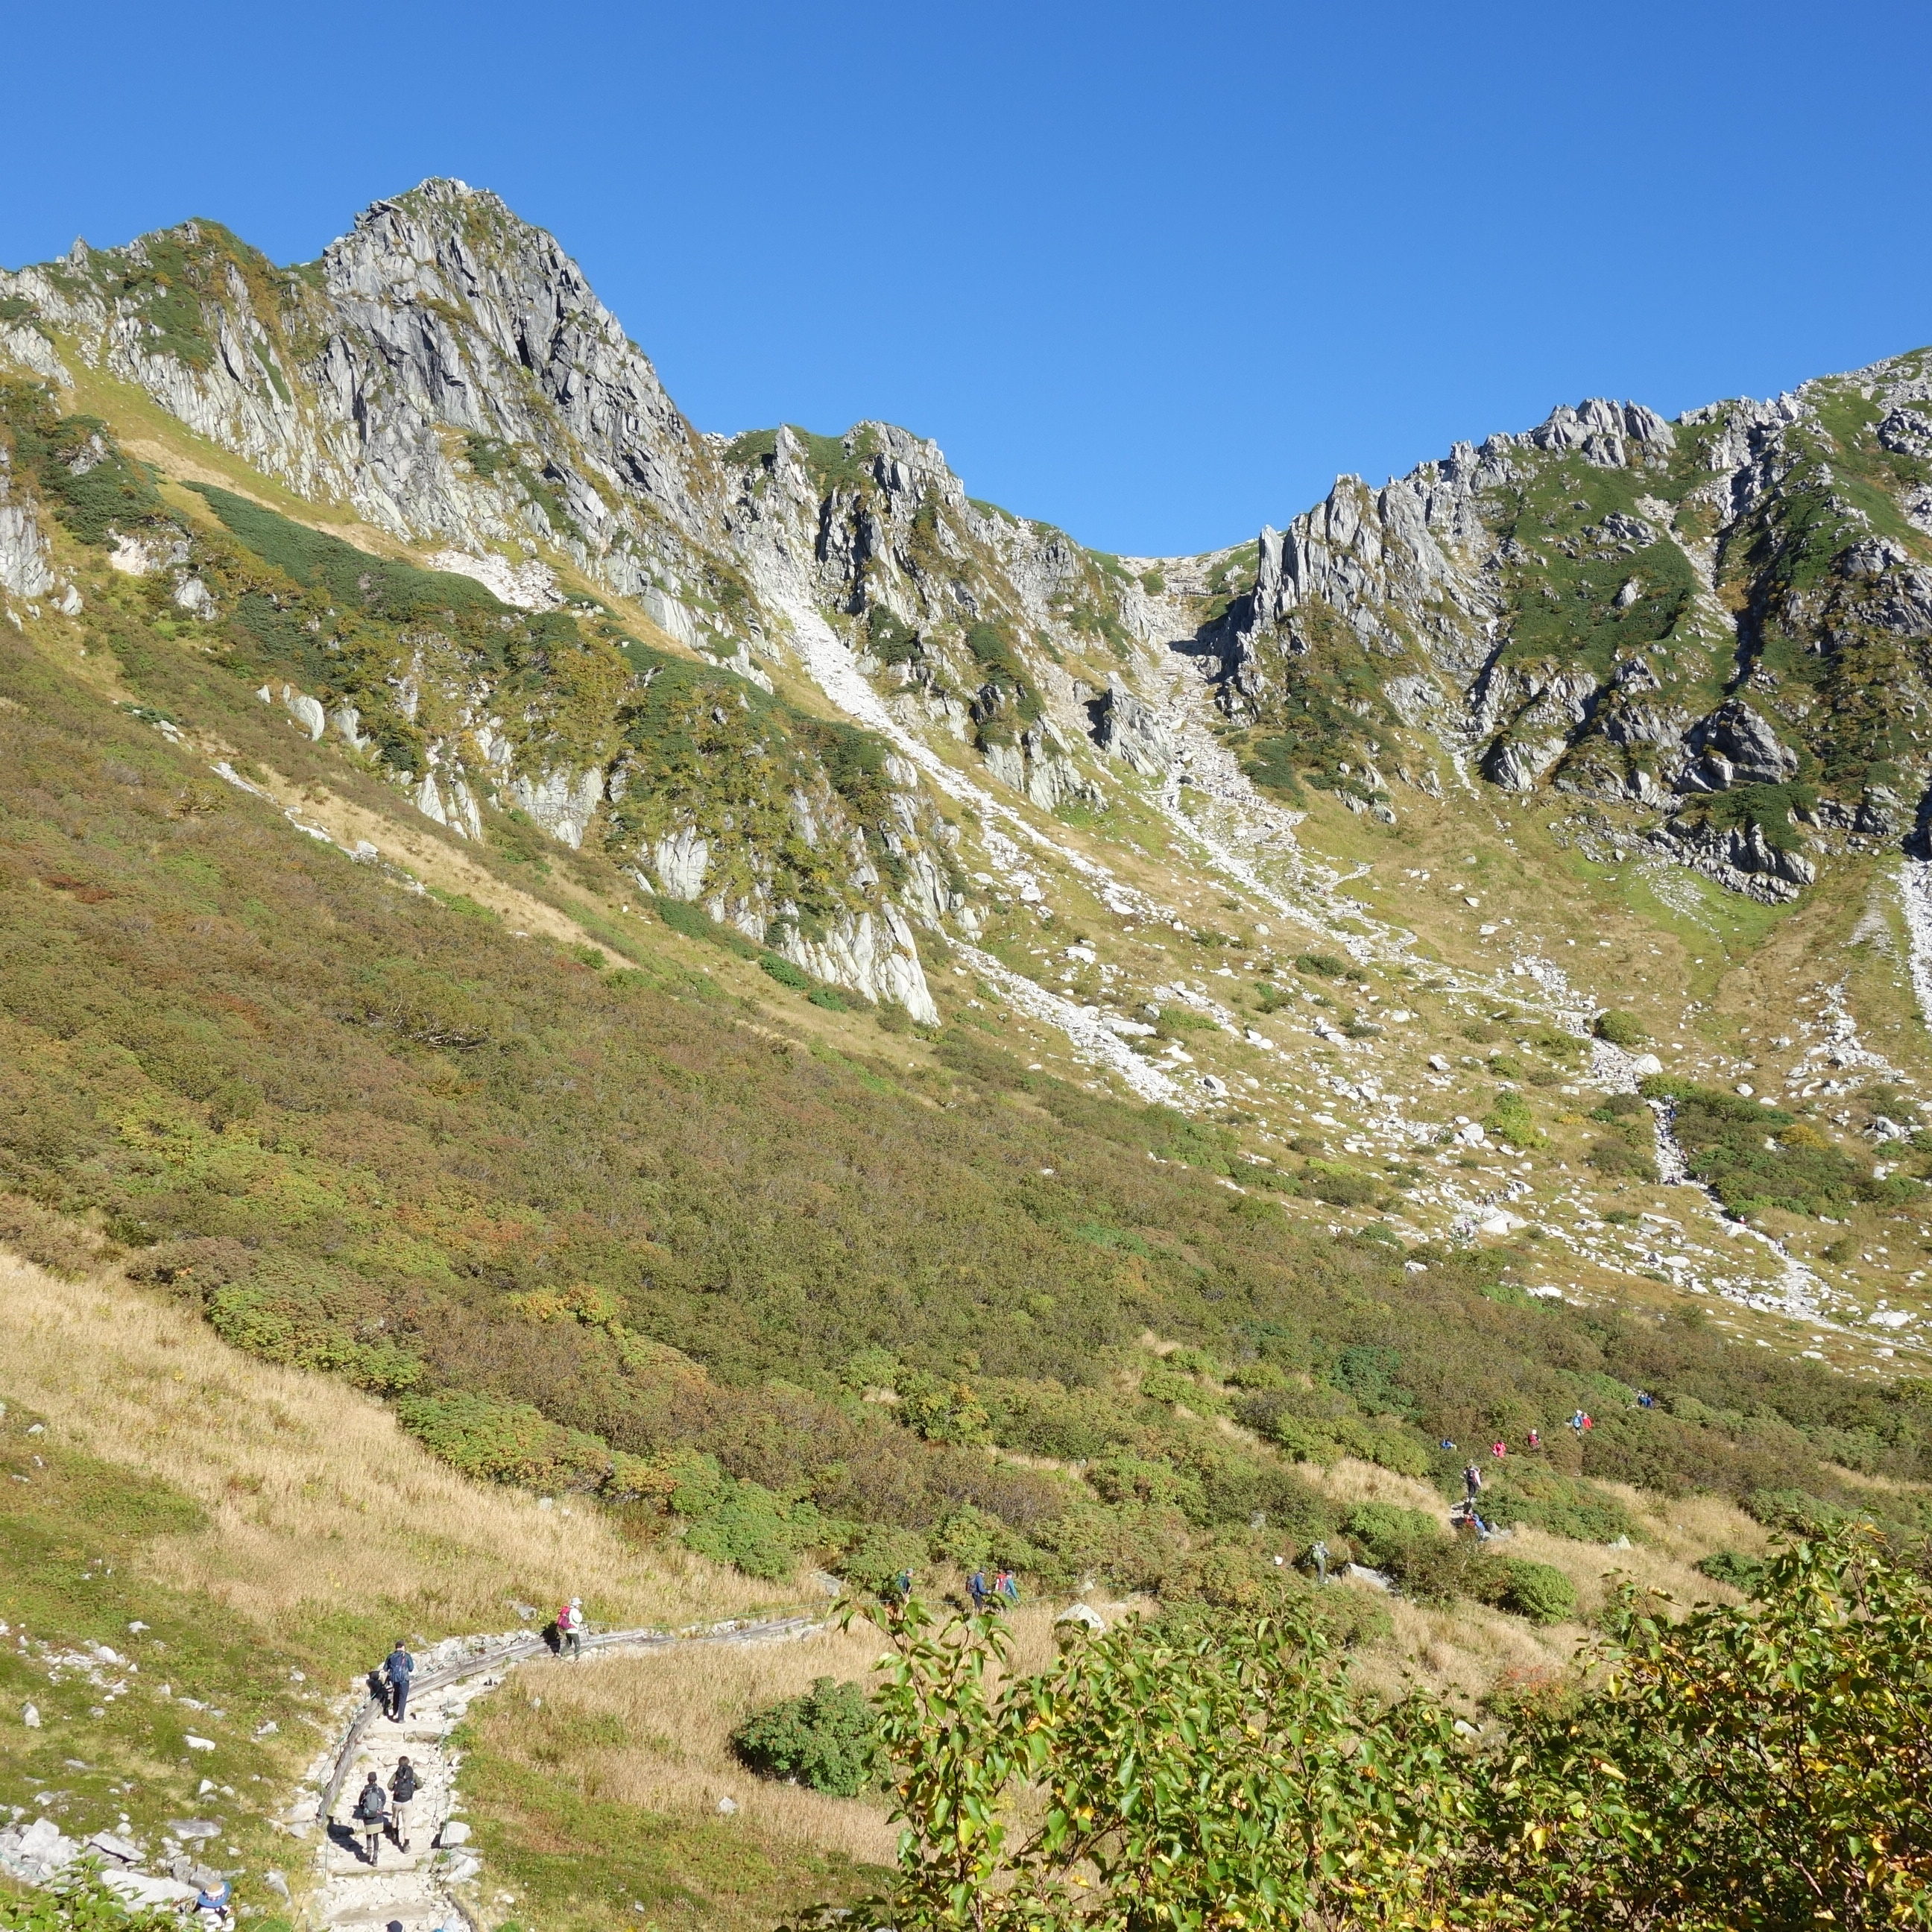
(873, 953)
(1742, 858)
(1602, 430)
(440, 312)
(670, 616)
(25, 569)
(1034, 762)
(1735, 746)
(1126, 728)
(23, 344)
(1435, 572)
(1907, 432)
(306, 711)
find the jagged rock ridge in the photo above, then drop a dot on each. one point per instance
(1725, 623)
(1713, 631)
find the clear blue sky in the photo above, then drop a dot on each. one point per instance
(1154, 272)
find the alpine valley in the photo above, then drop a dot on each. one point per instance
(721, 977)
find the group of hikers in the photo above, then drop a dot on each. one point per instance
(1465, 1515)
(1002, 1594)
(377, 1811)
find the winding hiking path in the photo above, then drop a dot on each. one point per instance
(434, 1883)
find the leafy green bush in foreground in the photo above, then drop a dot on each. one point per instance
(1751, 1769)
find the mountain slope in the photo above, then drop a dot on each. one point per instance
(935, 845)
(1627, 613)
(724, 980)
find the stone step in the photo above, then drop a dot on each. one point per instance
(379, 1891)
(342, 1863)
(412, 1911)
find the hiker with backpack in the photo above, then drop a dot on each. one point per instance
(976, 1588)
(1007, 1590)
(398, 1667)
(371, 1815)
(402, 1796)
(570, 1629)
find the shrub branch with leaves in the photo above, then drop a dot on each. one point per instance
(1754, 1769)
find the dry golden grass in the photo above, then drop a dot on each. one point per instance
(1458, 1650)
(1461, 1649)
(678, 1710)
(315, 1497)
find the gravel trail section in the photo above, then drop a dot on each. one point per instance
(434, 1883)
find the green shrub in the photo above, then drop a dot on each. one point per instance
(942, 1412)
(1384, 1530)
(106, 492)
(1510, 1121)
(1431, 1565)
(1164, 1383)
(1368, 1374)
(1617, 1160)
(1327, 966)
(1734, 1568)
(785, 973)
(740, 1523)
(880, 1556)
(1341, 1186)
(1619, 1029)
(1540, 1591)
(384, 587)
(503, 1441)
(827, 1739)
(1523, 1492)
(1724, 1137)
(1183, 1019)
(890, 639)
(1385, 1443)
(1304, 1438)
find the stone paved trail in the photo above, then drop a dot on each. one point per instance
(434, 1884)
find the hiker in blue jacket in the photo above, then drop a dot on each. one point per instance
(398, 1667)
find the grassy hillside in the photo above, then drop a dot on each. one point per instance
(596, 1794)
(195, 1543)
(611, 1227)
